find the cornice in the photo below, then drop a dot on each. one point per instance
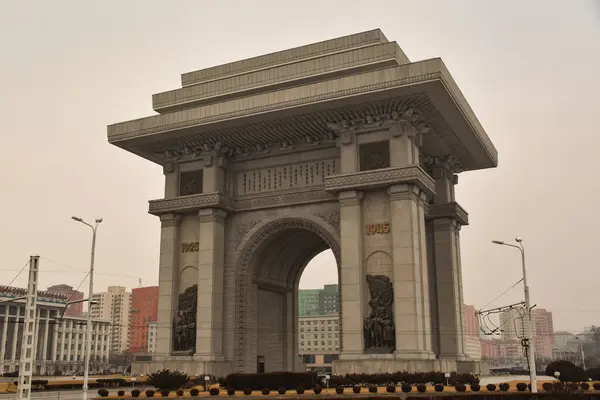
(156, 126)
(190, 203)
(451, 210)
(220, 201)
(381, 178)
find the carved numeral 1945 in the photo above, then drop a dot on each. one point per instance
(373, 229)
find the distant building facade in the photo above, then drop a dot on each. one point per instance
(114, 306)
(73, 310)
(152, 329)
(60, 343)
(143, 311)
(512, 323)
(313, 302)
(319, 341)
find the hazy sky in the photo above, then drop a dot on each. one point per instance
(529, 69)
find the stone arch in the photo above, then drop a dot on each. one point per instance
(379, 262)
(257, 236)
(189, 273)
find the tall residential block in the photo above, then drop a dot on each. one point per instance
(113, 305)
(313, 302)
(144, 310)
(73, 310)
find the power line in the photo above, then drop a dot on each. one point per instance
(20, 271)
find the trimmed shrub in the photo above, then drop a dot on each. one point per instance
(179, 393)
(121, 393)
(149, 393)
(372, 389)
(339, 389)
(490, 387)
(167, 380)
(475, 387)
(103, 392)
(573, 386)
(135, 393)
(596, 386)
(585, 386)
(547, 386)
(230, 391)
(214, 391)
(438, 387)
(194, 392)
(356, 389)
(265, 391)
(165, 393)
(460, 387)
(317, 389)
(406, 388)
(281, 390)
(391, 389)
(300, 390)
(521, 386)
(504, 387)
(421, 388)
(247, 391)
(569, 372)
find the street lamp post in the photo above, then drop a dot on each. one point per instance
(88, 332)
(582, 353)
(528, 333)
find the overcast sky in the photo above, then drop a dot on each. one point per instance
(529, 69)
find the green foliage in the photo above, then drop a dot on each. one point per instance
(167, 380)
(569, 372)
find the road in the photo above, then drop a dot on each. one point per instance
(65, 394)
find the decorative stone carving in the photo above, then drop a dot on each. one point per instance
(332, 218)
(190, 182)
(242, 229)
(190, 203)
(375, 155)
(449, 164)
(384, 177)
(184, 324)
(379, 330)
(242, 270)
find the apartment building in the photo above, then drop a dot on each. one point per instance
(114, 306)
(319, 301)
(74, 310)
(319, 341)
(144, 310)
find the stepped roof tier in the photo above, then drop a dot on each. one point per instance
(298, 96)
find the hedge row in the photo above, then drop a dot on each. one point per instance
(403, 377)
(271, 380)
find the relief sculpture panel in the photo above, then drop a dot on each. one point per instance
(379, 330)
(184, 324)
(294, 176)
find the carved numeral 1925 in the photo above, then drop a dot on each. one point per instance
(189, 247)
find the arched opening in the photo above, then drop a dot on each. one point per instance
(271, 265)
(319, 341)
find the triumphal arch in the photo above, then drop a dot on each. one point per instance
(345, 145)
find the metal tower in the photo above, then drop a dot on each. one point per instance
(29, 341)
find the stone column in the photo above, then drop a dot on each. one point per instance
(167, 279)
(44, 348)
(352, 274)
(63, 328)
(411, 292)
(13, 353)
(446, 243)
(4, 337)
(211, 253)
(54, 343)
(70, 331)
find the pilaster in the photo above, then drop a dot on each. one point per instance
(171, 172)
(446, 219)
(4, 332)
(410, 278)
(352, 274)
(168, 280)
(211, 253)
(348, 152)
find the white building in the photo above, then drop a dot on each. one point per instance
(473, 348)
(152, 329)
(60, 342)
(113, 306)
(319, 340)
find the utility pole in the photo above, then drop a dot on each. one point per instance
(29, 341)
